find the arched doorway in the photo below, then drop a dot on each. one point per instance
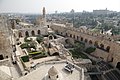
(20, 34)
(118, 65)
(96, 44)
(55, 54)
(71, 35)
(81, 38)
(32, 33)
(50, 37)
(90, 42)
(108, 48)
(77, 37)
(101, 46)
(26, 34)
(1, 57)
(39, 32)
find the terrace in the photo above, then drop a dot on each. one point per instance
(41, 72)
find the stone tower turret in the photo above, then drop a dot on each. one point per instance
(44, 15)
(44, 12)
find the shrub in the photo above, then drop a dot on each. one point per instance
(35, 53)
(24, 45)
(26, 40)
(79, 46)
(90, 50)
(32, 45)
(25, 58)
(28, 45)
(39, 39)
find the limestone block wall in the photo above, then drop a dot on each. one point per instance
(101, 54)
(32, 31)
(108, 48)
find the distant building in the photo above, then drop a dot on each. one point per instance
(102, 11)
(72, 11)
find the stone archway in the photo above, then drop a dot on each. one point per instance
(81, 38)
(108, 48)
(77, 37)
(118, 65)
(50, 37)
(71, 35)
(90, 42)
(32, 33)
(20, 34)
(39, 32)
(101, 46)
(26, 34)
(96, 44)
(1, 57)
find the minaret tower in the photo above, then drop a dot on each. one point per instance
(44, 16)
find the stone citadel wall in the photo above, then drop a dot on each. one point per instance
(107, 49)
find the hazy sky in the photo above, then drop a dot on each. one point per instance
(35, 6)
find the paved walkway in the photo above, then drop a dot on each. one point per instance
(28, 64)
(14, 72)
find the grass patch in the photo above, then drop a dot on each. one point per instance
(37, 55)
(78, 54)
(39, 39)
(25, 58)
(90, 50)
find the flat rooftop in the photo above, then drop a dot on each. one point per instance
(43, 68)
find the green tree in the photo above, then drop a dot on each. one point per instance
(79, 47)
(39, 39)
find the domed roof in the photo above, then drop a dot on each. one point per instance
(52, 71)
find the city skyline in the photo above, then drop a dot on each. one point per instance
(35, 6)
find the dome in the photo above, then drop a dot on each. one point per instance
(52, 71)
